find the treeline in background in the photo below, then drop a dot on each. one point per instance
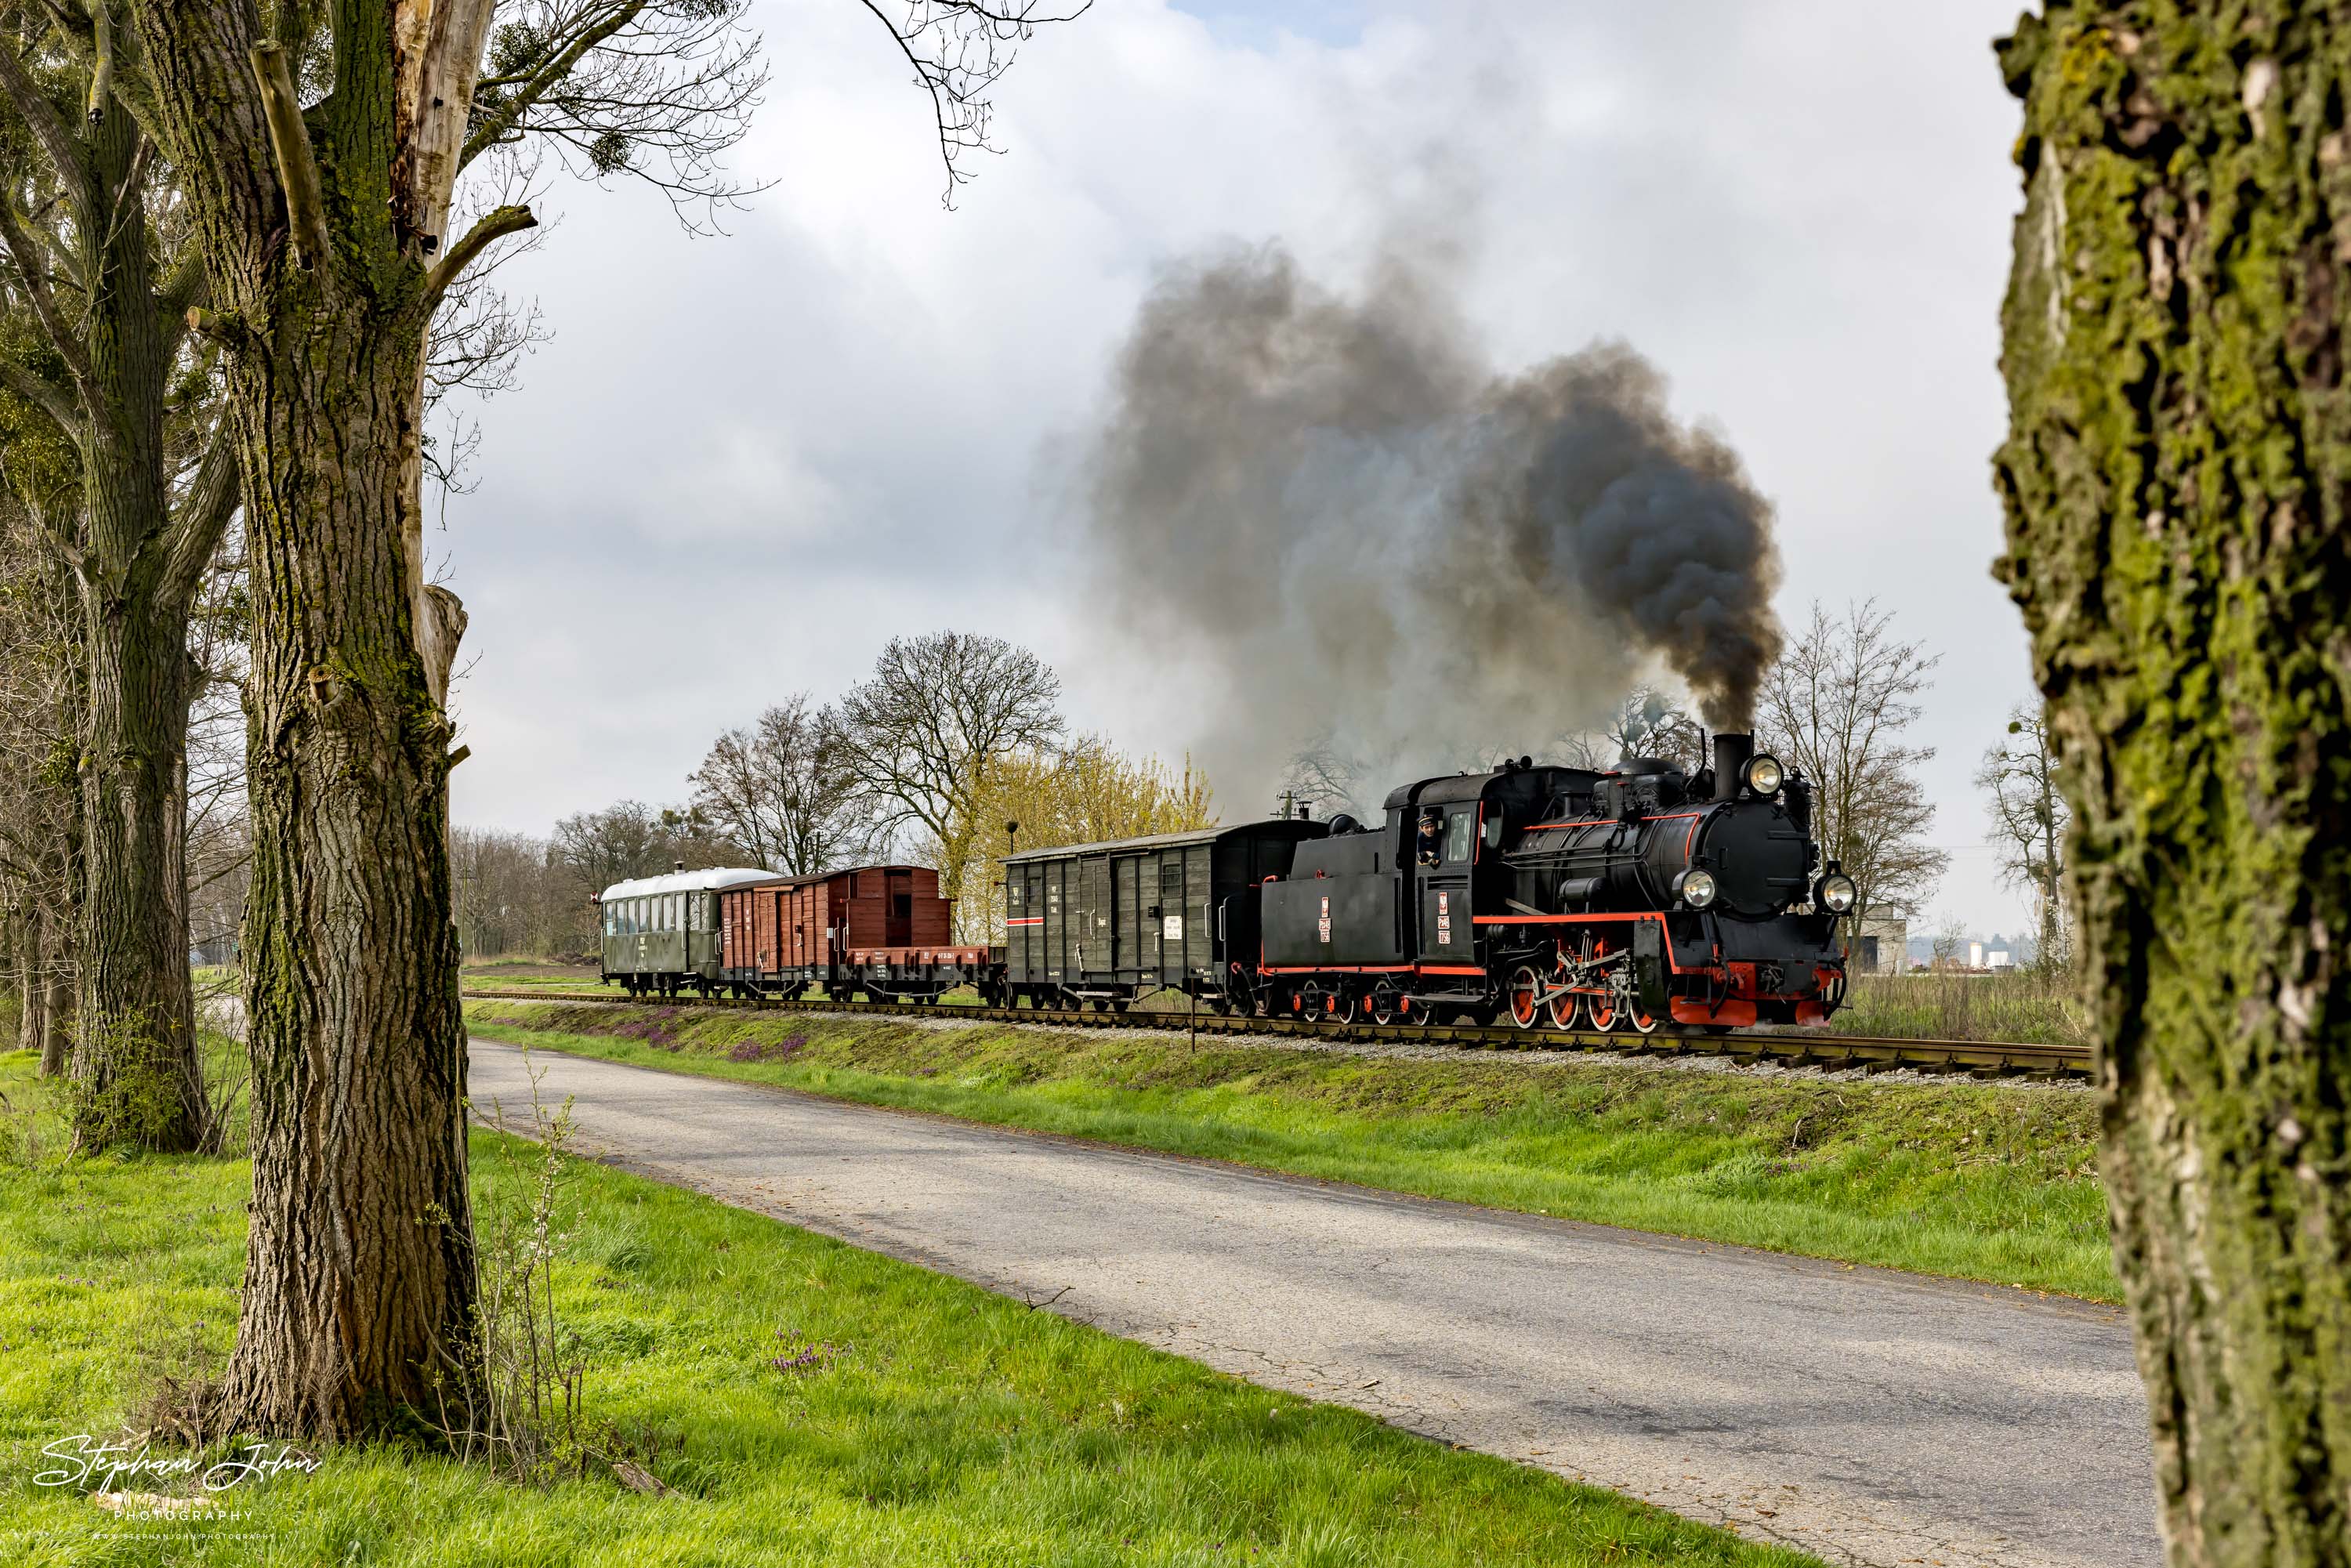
(952, 736)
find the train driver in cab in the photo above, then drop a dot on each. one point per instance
(1431, 837)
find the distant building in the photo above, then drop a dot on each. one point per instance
(1882, 944)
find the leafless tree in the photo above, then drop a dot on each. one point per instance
(2029, 820)
(781, 790)
(1646, 723)
(597, 848)
(1837, 705)
(516, 896)
(921, 735)
(1329, 779)
(40, 706)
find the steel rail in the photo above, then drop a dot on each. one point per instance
(1986, 1058)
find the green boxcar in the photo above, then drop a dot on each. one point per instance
(661, 933)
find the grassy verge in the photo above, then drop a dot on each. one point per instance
(808, 1402)
(1970, 1180)
(2027, 1008)
(2030, 1008)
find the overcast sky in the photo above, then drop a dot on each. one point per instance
(743, 463)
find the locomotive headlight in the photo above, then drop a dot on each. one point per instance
(1764, 775)
(1698, 888)
(1837, 893)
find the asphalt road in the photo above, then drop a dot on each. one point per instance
(1866, 1415)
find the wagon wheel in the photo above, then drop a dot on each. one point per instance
(1567, 1012)
(1341, 1007)
(1239, 995)
(1383, 1006)
(1526, 985)
(1601, 1011)
(1631, 1020)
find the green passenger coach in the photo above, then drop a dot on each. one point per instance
(659, 934)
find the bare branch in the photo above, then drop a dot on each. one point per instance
(48, 127)
(34, 275)
(45, 395)
(101, 50)
(202, 518)
(492, 225)
(653, 90)
(290, 143)
(960, 49)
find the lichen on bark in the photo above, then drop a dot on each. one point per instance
(2174, 479)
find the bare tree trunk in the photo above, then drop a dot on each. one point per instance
(359, 1272)
(2174, 479)
(32, 1028)
(55, 990)
(136, 1060)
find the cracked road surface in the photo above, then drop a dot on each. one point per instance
(1866, 1416)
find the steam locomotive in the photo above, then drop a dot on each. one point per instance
(1570, 897)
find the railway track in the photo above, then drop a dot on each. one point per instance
(1981, 1057)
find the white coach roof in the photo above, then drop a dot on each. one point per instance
(686, 881)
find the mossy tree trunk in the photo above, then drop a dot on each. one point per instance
(359, 1282)
(88, 258)
(2175, 478)
(135, 1063)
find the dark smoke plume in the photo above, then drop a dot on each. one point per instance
(1393, 551)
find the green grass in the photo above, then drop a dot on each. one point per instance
(937, 1424)
(1971, 1180)
(2029, 1007)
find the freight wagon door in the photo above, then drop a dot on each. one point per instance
(1169, 923)
(1024, 948)
(1058, 945)
(1092, 922)
(898, 918)
(1125, 950)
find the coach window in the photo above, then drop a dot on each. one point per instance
(1460, 827)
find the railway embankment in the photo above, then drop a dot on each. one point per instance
(1982, 1181)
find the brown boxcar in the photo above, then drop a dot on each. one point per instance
(881, 930)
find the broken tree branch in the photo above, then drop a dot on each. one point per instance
(297, 166)
(494, 225)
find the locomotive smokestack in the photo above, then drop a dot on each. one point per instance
(1731, 753)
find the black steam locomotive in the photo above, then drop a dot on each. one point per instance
(1558, 897)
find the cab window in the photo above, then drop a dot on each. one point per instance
(1460, 832)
